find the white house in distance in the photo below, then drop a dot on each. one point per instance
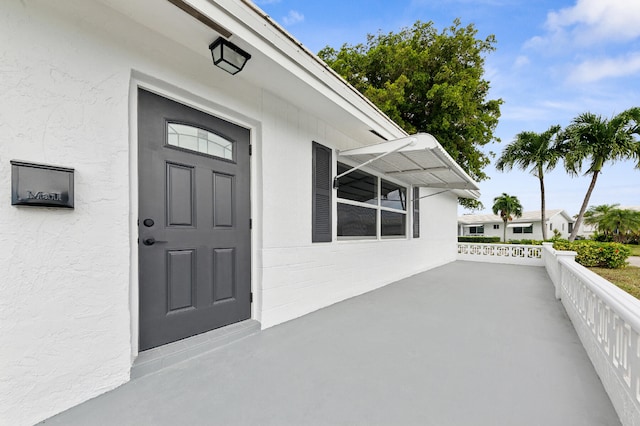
(151, 195)
(528, 226)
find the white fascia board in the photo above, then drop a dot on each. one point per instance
(467, 193)
(250, 24)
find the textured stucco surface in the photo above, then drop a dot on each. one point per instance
(68, 317)
(64, 288)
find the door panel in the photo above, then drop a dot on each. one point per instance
(180, 279)
(223, 201)
(180, 195)
(194, 209)
(223, 276)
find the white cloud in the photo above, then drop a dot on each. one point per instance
(418, 3)
(521, 61)
(595, 70)
(293, 17)
(525, 113)
(594, 21)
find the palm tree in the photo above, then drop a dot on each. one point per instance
(507, 207)
(594, 138)
(595, 215)
(621, 223)
(536, 151)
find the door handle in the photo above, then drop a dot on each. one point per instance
(151, 241)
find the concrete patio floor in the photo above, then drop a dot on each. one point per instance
(463, 344)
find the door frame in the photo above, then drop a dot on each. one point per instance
(183, 96)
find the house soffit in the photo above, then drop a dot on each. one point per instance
(279, 64)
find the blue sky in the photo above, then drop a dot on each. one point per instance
(555, 59)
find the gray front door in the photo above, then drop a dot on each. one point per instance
(194, 221)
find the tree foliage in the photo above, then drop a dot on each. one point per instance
(597, 140)
(428, 81)
(537, 152)
(594, 215)
(612, 222)
(507, 207)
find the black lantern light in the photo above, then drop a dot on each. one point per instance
(228, 56)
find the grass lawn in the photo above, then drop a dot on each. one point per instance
(635, 249)
(627, 278)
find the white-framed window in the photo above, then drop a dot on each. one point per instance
(370, 207)
(475, 230)
(496, 226)
(523, 229)
(199, 140)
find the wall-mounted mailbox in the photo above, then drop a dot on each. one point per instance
(41, 185)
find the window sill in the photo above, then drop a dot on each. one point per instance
(369, 239)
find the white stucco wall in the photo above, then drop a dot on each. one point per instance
(558, 222)
(68, 305)
(299, 276)
(490, 232)
(65, 305)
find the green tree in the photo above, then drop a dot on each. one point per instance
(599, 140)
(536, 151)
(621, 223)
(428, 81)
(595, 214)
(507, 207)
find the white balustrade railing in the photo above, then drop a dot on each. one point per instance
(607, 320)
(518, 254)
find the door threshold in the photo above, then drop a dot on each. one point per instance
(156, 359)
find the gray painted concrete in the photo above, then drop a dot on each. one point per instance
(464, 344)
(155, 359)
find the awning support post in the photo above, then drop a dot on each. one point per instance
(359, 166)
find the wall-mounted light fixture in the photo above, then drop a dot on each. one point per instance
(228, 56)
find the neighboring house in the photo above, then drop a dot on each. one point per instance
(200, 198)
(528, 226)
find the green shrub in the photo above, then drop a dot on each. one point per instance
(602, 238)
(527, 242)
(596, 254)
(478, 239)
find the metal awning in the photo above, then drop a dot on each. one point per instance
(519, 225)
(417, 160)
(472, 226)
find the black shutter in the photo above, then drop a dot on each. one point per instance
(322, 167)
(416, 212)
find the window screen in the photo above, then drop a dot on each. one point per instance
(370, 207)
(357, 186)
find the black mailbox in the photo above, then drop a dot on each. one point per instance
(41, 185)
